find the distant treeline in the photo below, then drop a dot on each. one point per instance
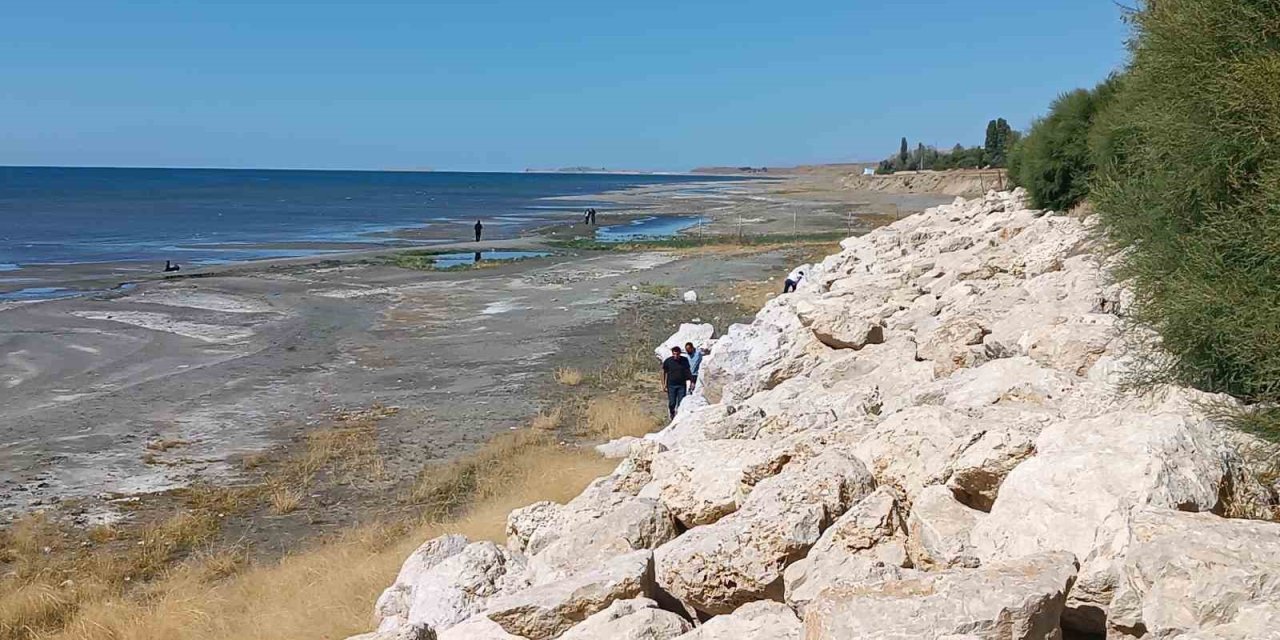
(993, 153)
(1179, 153)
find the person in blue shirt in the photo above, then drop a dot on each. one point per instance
(695, 361)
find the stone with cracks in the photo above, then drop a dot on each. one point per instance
(588, 539)
(445, 581)
(867, 543)
(1188, 574)
(763, 620)
(1075, 493)
(717, 568)
(1019, 599)
(477, 627)
(406, 632)
(526, 521)
(705, 481)
(953, 345)
(940, 528)
(836, 325)
(638, 619)
(548, 611)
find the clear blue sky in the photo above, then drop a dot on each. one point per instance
(510, 84)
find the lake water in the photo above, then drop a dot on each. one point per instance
(54, 215)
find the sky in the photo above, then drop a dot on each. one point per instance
(507, 85)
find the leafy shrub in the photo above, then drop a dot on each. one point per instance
(1054, 161)
(1190, 184)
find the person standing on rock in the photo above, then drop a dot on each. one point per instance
(675, 377)
(479, 229)
(695, 363)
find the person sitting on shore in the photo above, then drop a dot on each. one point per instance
(675, 378)
(695, 362)
(170, 267)
(479, 229)
(793, 280)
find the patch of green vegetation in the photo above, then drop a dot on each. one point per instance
(659, 290)
(1191, 188)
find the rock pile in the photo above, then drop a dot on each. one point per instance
(930, 439)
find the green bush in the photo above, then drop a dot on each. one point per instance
(1054, 161)
(1189, 183)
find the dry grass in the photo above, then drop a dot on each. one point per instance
(616, 416)
(284, 499)
(568, 376)
(752, 296)
(327, 592)
(548, 420)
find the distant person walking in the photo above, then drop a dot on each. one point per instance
(479, 229)
(591, 214)
(586, 217)
(675, 377)
(695, 362)
(793, 280)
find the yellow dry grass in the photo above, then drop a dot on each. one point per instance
(616, 416)
(323, 592)
(548, 420)
(568, 376)
(284, 499)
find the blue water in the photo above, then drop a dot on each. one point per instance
(646, 228)
(449, 260)
(201, 216)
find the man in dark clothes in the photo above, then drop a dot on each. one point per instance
(675, 377)
(479, 228)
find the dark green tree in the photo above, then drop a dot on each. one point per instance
(903, 154)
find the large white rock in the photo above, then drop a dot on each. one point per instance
(445, 581)
(836, 323)
(406, 632)
(1198, 574)
(547, 611)
(719, 567)
(917, 447)
(638, 619)
(1074, 495)
(477, 627)
(940, 529)
(956, 344)
(588, 538)
(698, 334)
(751, 358)
(1013, 600)
(867, 543)
(705, 481)
(762, 620)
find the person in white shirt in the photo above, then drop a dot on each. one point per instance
(794, 278)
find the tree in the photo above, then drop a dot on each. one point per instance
(903, 154)
(1000, 138)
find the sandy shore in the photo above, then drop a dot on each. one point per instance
(229, 362)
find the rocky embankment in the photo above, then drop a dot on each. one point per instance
(931, 439)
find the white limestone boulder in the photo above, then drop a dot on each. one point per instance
(638, 619)
(916, 447)
(477, 627)
(1019, 599)
(867, 543)
(761, 620)
(836, 323)
(698, 334)
(549, 610)
(445, 581)
(1074, 494)
(585, 542)
(522, 523)
(940, 529)
(955, 344)
(1190, 574)
(719, 567)
(705, 481)
(406, 632)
